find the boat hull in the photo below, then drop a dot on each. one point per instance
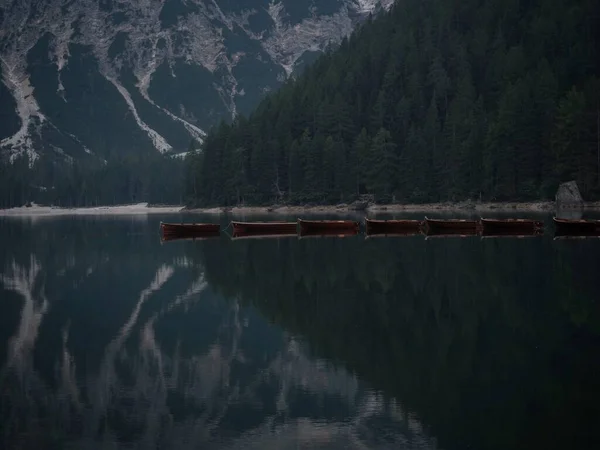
(328, 227)
(172, 231)
(450, 227)
(241, 236)
(393, 227)
(511, 226)
(263, 228)
(577, 227)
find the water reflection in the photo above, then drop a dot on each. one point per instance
(491, 343)
(109, 338)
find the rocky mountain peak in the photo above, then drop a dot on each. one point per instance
(95, 78)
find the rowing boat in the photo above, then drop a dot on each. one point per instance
(579, 227)
(511, 226)
(393, 227)
(172, 230)
(326, 226)
(260, 228)
(461, 227)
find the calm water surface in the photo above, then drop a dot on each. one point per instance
(111, 339)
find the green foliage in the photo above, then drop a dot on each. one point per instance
(433, 101)
(130, 179)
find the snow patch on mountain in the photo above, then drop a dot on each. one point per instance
(27, 109)
(368, 6)
(208, 34)
(159, 142)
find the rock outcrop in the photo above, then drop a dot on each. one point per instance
(89, 78)
(568, 196)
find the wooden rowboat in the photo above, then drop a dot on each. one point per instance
(172, 230)
(577, 227)
(511, 226)
(315, 227)
(462, 227)
(260, 228)
(393, 227)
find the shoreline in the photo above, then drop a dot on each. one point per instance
(54, 211)
(342, 209)
(464, 207)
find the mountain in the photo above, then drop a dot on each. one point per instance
(436, 100)
(85, 79)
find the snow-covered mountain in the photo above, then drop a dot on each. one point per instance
(91, 78)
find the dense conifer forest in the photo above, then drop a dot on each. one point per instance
(437, 100)
(121, 180)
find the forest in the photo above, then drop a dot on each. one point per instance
(437, 100)
(121, 180)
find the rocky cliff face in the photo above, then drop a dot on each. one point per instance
(94, 78)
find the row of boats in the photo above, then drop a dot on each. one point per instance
(374, 227)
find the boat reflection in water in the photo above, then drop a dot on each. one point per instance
(118, 342)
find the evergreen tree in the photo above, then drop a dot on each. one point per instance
(432, 101)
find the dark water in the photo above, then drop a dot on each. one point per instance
(109, 339)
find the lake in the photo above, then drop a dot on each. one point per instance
(111, 338)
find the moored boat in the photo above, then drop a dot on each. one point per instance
(511, 226)
(171, 230)
(261, 228)
(328, 226)
(462, 227)
(393, 227)
(579, 227)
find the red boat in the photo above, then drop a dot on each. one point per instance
(241, 236)
(577, 227)
(461, 227)
(328, 227)
(393, 227)
(511, 226)
(263, 228)
(172, 231)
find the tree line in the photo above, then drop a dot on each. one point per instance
(436, 100)
(78, 183)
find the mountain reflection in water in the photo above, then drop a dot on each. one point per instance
(108, 338)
